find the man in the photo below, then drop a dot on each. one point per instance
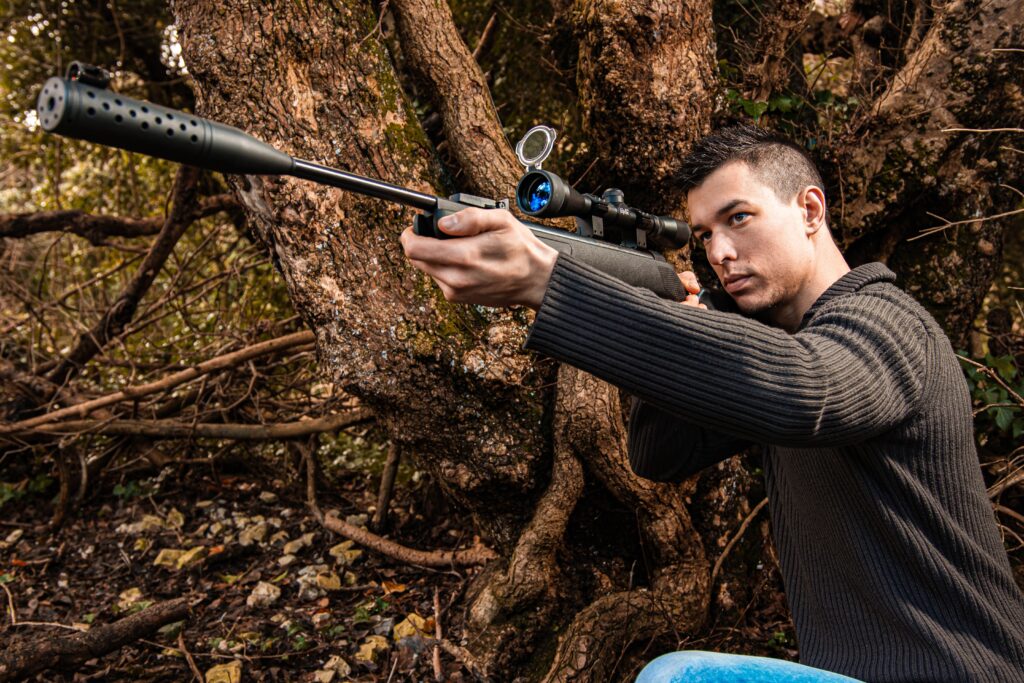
(891, 558)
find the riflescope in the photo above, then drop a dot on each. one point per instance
(545, 195)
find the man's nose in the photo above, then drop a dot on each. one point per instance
(719, 249)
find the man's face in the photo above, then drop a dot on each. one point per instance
(757, 244)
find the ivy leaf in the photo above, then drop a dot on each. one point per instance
(1004, 418)
(1018, 427)
(1004, 365)
(754, 109)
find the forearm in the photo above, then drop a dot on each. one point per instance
(733, 374)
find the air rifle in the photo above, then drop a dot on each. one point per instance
(612, 237)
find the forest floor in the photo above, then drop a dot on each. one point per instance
(273, 595)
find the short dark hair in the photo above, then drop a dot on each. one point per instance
(779, 163)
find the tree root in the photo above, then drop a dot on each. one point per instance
(680, 583)
(444, 559)
(22, 659)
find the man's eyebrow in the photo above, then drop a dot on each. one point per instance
(728, 206)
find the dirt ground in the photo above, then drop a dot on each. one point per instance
(274, 596)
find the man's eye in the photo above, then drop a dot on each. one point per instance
(738, 217)
(703, 236)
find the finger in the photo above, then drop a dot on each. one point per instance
(689, 281)
(473, 221)
(691, 300)
(429, 250)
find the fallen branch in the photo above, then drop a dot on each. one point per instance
(173, 429)
(138, 391)
(445, 559)
(23, 659)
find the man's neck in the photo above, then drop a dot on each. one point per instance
(826, 272)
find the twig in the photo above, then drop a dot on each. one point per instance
(466, 658)
(1007, 511)
(469, 557)
(438, 671)
(387, 486)
(951, 224)
(996, 378)
(173, 429)
(119, 314)
(188, 657)
(485, 37)
(983, 130)
(734, 539)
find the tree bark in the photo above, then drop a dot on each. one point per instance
(902, 170)
(451, 384)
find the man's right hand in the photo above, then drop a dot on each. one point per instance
(692, 287)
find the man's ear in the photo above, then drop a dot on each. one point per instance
(811, 201)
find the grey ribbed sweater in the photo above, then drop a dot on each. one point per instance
(892, 562)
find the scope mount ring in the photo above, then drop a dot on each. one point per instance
(535, 146)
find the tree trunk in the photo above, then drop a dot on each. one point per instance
(593, 560)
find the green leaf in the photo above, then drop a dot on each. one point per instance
(754, 109)
(1004, 365)
(1018, 427)
(782, 103)
(1004, 418)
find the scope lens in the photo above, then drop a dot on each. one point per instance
(539, 194)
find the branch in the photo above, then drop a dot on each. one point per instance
(18, 661)
(122, 310)
(459, 90)
(97, 229)
(138, 391)
(173, 429)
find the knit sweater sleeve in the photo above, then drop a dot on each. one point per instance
(852, 374)
(663, 447)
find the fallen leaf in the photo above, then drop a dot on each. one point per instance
(372, 648)
(329, 581)
(175, 519)
(168, 557)
(263, 595)
(128, 598)
(191, 557)
(413, 625)
(225, 673)
(391, 587)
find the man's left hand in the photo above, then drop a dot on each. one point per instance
(496, 260)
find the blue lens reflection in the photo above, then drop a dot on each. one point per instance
(540, 195)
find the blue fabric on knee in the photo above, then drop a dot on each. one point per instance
(697, 666)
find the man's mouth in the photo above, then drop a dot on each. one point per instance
(734, 283)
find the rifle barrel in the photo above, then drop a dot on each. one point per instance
(325, 175)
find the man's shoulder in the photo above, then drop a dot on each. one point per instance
(881, 302)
